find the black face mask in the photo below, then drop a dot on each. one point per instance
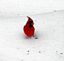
(31, 25)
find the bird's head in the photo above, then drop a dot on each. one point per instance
(30, 22)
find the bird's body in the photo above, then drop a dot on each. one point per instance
(29, 28)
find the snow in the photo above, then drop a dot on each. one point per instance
(49, 45)
(25, 7)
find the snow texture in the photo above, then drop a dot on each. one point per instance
(29, 7)
(48, 47)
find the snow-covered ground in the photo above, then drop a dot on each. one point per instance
(23, 7)
(48, 47)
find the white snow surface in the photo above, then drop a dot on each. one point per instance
(49, 46)
(25, 7)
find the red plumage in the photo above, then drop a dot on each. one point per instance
(29, 28)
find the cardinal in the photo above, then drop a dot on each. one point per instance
(29, 29)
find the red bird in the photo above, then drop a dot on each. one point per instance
(29, 28)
